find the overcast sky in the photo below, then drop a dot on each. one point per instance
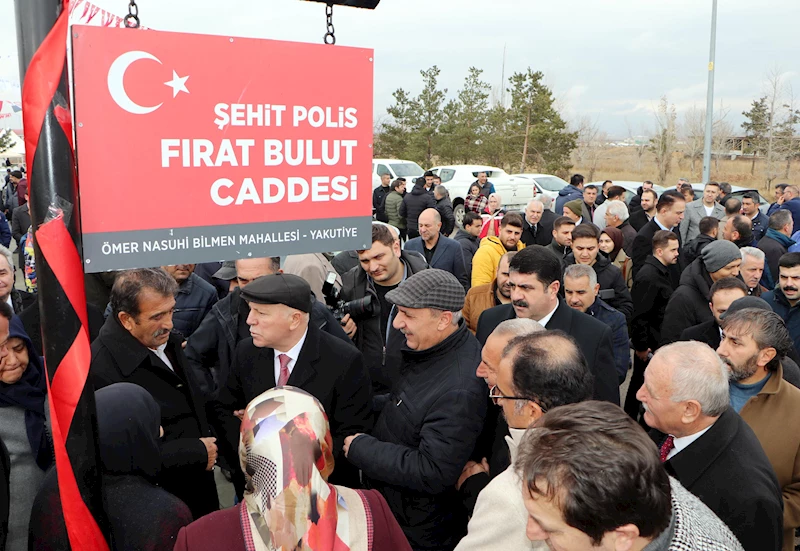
(610, 60)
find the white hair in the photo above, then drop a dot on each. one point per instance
(517, 327)
(9, 257)
(698, 374)
(457, 317)
(577, 271)
(618, 209)
(758, 254)
(534, 201)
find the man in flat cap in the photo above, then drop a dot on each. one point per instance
(284, 349)
(428, 429)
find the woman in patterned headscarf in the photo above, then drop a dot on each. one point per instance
(286, 454)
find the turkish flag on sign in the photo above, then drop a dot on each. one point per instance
(180, 130)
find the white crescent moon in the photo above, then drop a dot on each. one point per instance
(115, 87)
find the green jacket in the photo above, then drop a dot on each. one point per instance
(393, 202)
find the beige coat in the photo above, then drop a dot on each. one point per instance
(774, 415)
(500, 518)
(625, 265)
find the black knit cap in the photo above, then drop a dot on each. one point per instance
(288, 289)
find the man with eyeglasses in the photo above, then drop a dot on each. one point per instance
(491, 455)
(537, 372)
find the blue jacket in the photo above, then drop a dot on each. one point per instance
(5, 232)
(567, 194)
(793, 206)
(790, 314)
(448, 256)
(619, 334)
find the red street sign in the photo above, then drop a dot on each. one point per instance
(195, 148)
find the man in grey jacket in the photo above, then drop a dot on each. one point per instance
(697, 210)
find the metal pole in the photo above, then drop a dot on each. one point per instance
(710, 96)
(52, 180)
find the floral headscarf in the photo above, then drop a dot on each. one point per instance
(285, 450)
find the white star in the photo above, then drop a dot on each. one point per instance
(178, 84)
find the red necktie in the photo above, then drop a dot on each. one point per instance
(666, 447)
(284, 376)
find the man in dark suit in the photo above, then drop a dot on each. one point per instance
(439, 251)
(136, 346)
(535, 275)
(707, 447)
(642, 213)
(284, 349)
(669, 213)
(723, 293)
(537, 224)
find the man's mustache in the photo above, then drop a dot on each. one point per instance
(520, 303)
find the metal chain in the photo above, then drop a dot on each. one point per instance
(329, 36)
(132, 19)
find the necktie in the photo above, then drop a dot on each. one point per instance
(666, 447)
(284, 376)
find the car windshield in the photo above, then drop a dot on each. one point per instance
(403, 170)
(550, 183)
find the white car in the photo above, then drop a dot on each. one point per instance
(545, 184)
(514, 191)
(396, 168)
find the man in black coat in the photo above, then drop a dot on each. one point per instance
(426, 433)
(708, 448)
(211, 347)
(384, 267)
(413, 204)
(775, 244)
(651, 292)
(445, 209)
(136, 346)
(585, 250)
(285, 349)
(722, 294)
(537, 224)
(688, 305)
(669, 213)
(535, 275)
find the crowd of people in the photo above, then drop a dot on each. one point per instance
(462, 387)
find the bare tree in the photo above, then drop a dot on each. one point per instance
(721, 132)
(692, 134)
(638, 142)
(774, 92)
(664, 141)
(590, 146)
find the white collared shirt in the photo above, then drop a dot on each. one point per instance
(10, 302)
(161, 355)
(660, 225)
(545, 320)
(293, 353)
(685, 441)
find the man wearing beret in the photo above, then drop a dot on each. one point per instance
(426, 432)
(284, 349)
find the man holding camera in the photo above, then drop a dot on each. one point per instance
(383, 267)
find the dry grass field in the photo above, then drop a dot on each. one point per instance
(622, 163)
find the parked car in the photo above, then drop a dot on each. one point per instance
(396, 168)
(515, 191)
(737, 192)
(545, 184)
(631, 187)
